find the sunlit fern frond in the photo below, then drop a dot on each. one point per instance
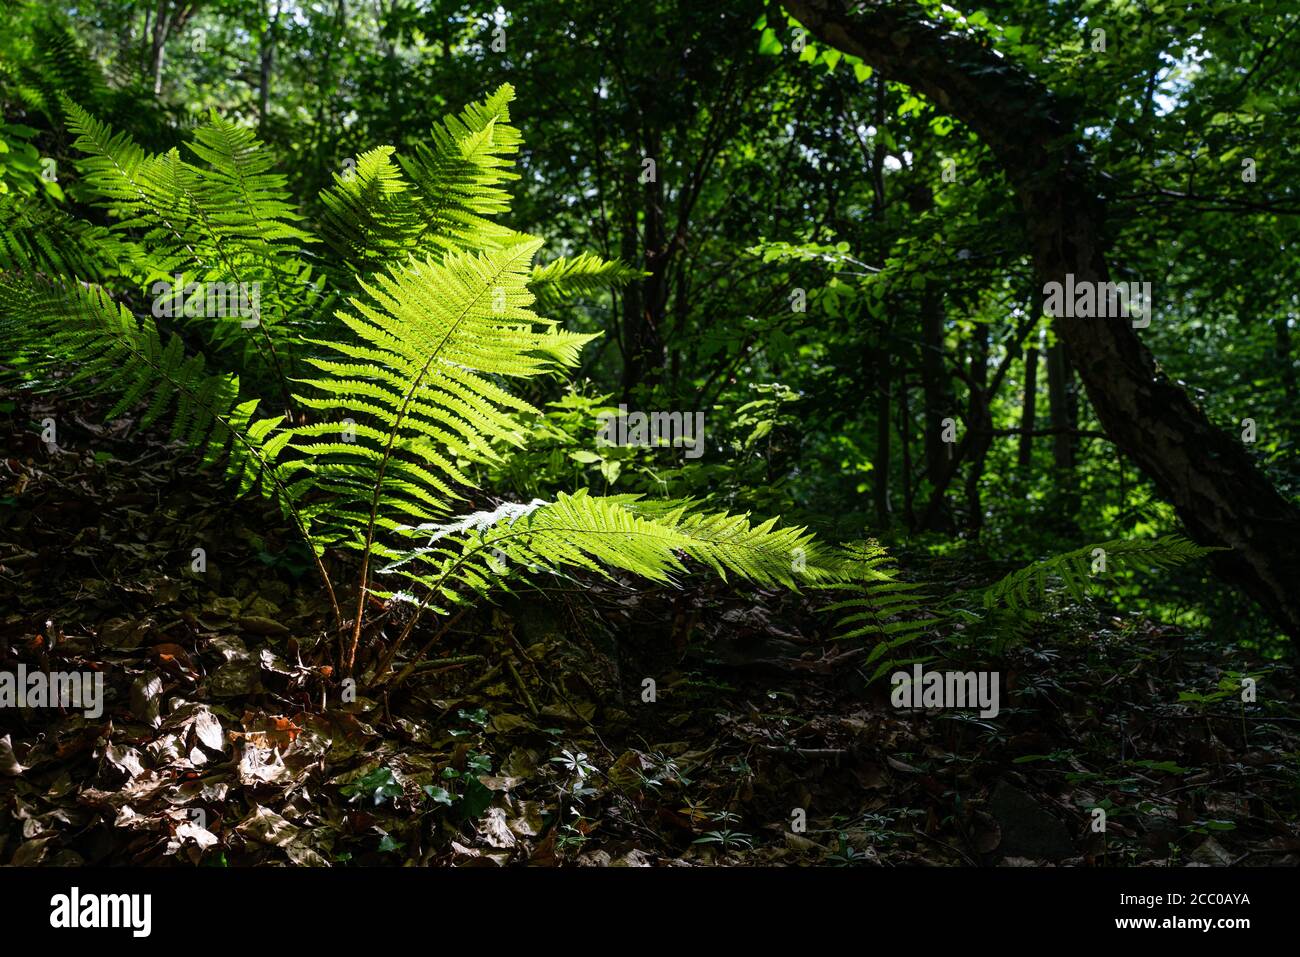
(563, 279)
(224, 220)
(882, 609)
(371, 219)
(48, 327)
(416, 391)
(460, 560)
(460, 175)
(1075, 571)
(36, 236)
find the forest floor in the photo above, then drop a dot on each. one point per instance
(527, 737)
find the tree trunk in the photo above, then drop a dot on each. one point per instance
(937, 389)
(1028, 410)
(1219, 494)
(905, 443)
(1282, 333)
(266, 66)
(882, 464)
(158, 44)
(980, 419)
(643, 352)
(1064, 408)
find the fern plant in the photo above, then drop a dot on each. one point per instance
(892, 614)
(369, 394)
(882, 609)
(1074, 571)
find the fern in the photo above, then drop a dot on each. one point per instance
(61, 66)
(460, 175)
(1073, 571)
(43, 322)
(223, 222)
(370, 220)
(38, 237)
(400, 394)
(883, 609)
(584, 275)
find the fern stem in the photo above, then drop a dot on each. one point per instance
(424, 650)
(416, 384)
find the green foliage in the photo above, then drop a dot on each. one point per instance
(460, 175)
(883, 608)
(36, 236)
(1073, 571)
(892, 613)
(224, 220)
(370, 217)
(49, 325)
(583, 275)
(405, 387)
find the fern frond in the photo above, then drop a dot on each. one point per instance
(731, 544)
(62, 67)
(111, 351)
(470, 557)
(459, 177)
(371, 219)
(225, 222)
(1073, 571)
(246, 202)
(414, 395)
(584, 275)
(38, 237)
(882, 608)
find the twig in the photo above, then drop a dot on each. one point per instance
(523, 688)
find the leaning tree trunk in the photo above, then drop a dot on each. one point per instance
(1206, 474)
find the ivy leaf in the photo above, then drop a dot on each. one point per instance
(380, 785)
(438, 795)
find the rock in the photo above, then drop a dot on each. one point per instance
(1027, 829)
(259, 625)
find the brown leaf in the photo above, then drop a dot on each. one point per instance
(146, 699)
(267, 827)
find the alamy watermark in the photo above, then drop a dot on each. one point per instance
(208, 300)
(76, 910)
(655, 429)
(1098, 300)
(83, 690)
(946, 689)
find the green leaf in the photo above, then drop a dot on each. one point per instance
(768, 44)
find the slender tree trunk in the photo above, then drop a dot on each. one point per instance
(644, 350)
(905, 442)
(267, 67)
(1282, 335)
(1064, 406)
(146, 42)
(936, 387)
(1028, 410)
(882, 463)
(1058, 397)
(980, 420)
(158, 43)
(1219, 494)
(632, 293)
